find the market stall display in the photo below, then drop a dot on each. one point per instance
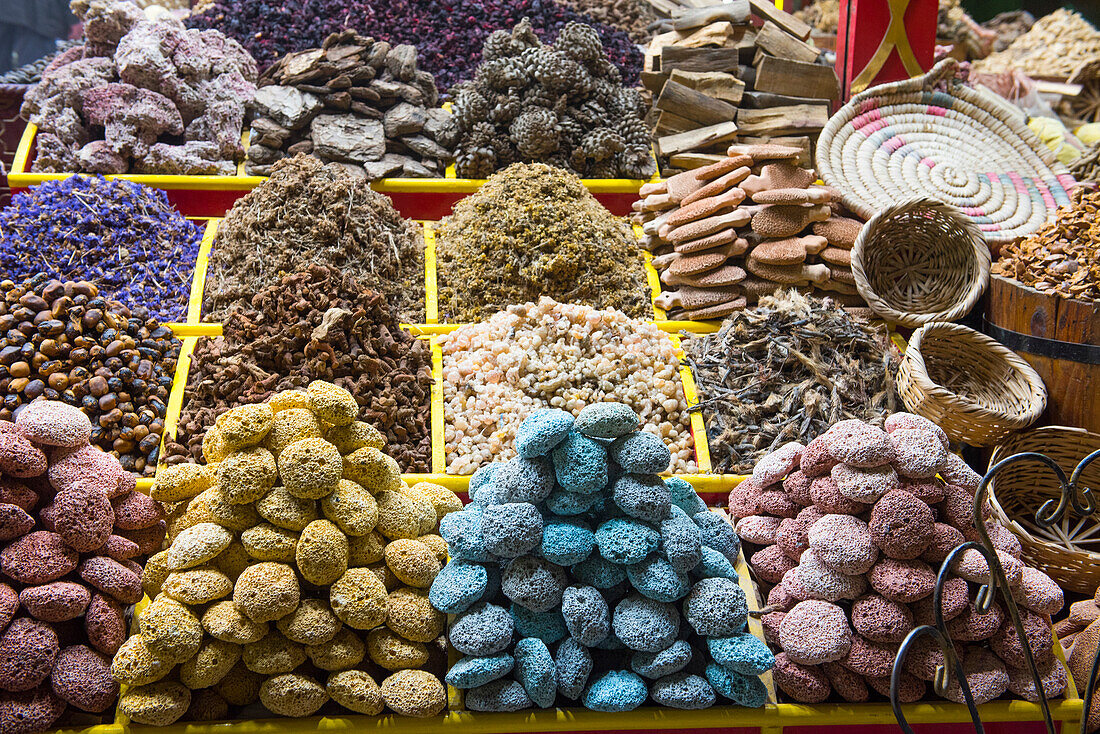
(64, 341)
(296, 541)
(1052, 48)
(868, 520)
(563, 104)
(549, 354)
(934, 136)
(632, 16)
(313, 324)
(449, 36)
(785, 370)
(141, 96)
(726, 234)
(626, 576)
(124, 236)
(309, 212)
(534, 230)
(353, 101)
(73, 528)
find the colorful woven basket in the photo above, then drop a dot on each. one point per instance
(936, 137)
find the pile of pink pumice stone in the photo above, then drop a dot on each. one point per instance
(847, 534)
(71, 524)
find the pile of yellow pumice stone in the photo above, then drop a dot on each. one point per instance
(298, 562)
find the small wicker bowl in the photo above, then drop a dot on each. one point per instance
(920, 261)
(1065, 552)
(972, 386)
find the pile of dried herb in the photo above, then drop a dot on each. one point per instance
(785, 370)
(534, 230)
(315, 324)
(308, 212)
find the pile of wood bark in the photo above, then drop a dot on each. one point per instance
(717, 78)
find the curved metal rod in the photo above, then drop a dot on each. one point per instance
(997, 572)
(942, 679)
(1052, 510)
(1086, 492)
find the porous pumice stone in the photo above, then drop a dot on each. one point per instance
(822, 582)
(627, 566)
(843, 543)
(289, 564)
(859, 445)
(901, 525)
(815, 632)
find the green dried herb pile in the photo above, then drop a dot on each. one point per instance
(786, 370)
(534, 230)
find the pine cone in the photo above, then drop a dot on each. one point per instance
(626, 103)
(500, 75)
(504, 151)
(633, 131)
(499, 45)
(604, 69)
(603, 169)
(579, 42)
(474, 163)
(602, 144)
(523, 35)
(591, 114)
(554, 71)
(469, 108)
(506, 109)
(535, 132)
(538, 97)
(636, 161)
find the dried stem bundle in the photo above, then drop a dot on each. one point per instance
(786, 370)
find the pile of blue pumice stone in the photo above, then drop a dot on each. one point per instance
(578, 575)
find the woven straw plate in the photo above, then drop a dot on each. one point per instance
(933, 136)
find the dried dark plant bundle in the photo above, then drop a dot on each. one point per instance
(534, 230)
(316, 324)
(785, 370)
(309, 212)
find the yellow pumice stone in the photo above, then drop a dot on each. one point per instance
(354, 436)
(414, 693)
(292, 695)
(245, 425)
(170, 630)
(240, 686)
(322, 553)
(235, 517)
(310, 468)
(196, 545)
(224, 621)
(267, 591)
(210, 664)
(443, 500)
(233, 560)
(312, 623)
(282, 509)
(411, 615)
(265, 542)
(351, 507)
(180, 482)
(154, 574)
(398, 516)
(289, 400)
(199, 585)
(246, 475)
(273, 654)
(437, 545)
(345, 650)
(214, 447)
(136, 665)
(372, 469)
(155, 704)
(207, 705)
(358, 599)
(365, 549)
(386, 575)
(356, 691)
(424, 507)
(332, 404)
(394, 652)
(412, 562)
(290, 425)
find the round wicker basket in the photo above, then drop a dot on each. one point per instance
(1068, 552)
(972, 386)
(931, 136)
(920, 261)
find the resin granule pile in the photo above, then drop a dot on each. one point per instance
(627, 578)
(316, 324)
(310, 212)
(549, 354)
(785, 370)
(297, 572)
(534, 230)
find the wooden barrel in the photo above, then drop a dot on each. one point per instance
(1060, 338)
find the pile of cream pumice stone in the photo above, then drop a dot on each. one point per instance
(850, 530)
(578, 575)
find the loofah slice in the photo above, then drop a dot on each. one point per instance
(689, 297)
(719, 311)
(781, 175)
(813, 195)
(787, 221)
(765, 152)
(788, 251)
(719, 185)
(724, 237)
(787, 274)
(722, 167)
(839, 231)
(837, 256)
(709, 225)
(725, 275)
(702, 208)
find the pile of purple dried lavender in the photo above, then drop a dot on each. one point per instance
(449, 34)
(124, 237)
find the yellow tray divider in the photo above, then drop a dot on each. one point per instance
(698, 430)
(175, 403)
(198, 279)
(439, 447)
(431, 288)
